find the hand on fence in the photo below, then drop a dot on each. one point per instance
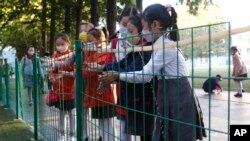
(48, 63)
(103, 86)
(66, 73)
(56, 77)
(109, 76)
(106, 79)
(95, 66)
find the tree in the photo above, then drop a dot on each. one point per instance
(24, 22)
(67, 15)
(78, 17)
(52, 25)
(43, 26)
(111, 15)
(202, 18)
(94, 12)
(139, 5)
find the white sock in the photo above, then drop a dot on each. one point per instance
(72, 121)
(85, 119)
(61, 120)
(107, 130)
(240, 87)
(124, 135)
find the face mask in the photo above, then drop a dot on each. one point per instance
(62, 48)
(83, 36)
(147, 35)
(30, 52)
(133, 39)
(123, 31)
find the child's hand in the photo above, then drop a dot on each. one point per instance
(105, 80)
(103, 86)
(109, 76)
(95, 67)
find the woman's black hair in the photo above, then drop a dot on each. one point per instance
(128, 11)
(162, 14)
(136, 21)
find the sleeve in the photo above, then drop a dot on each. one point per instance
(64, 64)
(152, 68)
(217, 84)
(119, 66)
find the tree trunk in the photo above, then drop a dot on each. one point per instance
(52, 25)
(43, 27)
(67, 16)
(78, 16)
(139, 5)
(111, 16)
(94, 12)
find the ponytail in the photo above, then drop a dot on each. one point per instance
(174, 34)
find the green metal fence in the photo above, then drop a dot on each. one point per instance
(109, 108)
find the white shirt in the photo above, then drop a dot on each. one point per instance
(120, 45)
(168, 62)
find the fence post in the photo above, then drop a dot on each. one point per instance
(1, 83)
(79, 89)
(17, 86)
(7, 84)
(35, 96)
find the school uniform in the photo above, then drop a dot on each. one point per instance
(64, 87)
(135, 96)
(175, 100)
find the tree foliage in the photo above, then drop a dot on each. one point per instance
(24, 22)
(212, 15)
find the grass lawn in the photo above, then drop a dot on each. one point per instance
(12, 129)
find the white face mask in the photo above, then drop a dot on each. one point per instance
(146, 34)
(30, 52)
(62, 48)
(123, 31)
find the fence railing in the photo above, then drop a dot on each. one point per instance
(132, 99)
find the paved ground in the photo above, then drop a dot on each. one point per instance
(220, 115)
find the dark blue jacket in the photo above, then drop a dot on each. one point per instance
(210, 84)
(136, 96)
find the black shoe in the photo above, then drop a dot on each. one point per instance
(100, 139)
(72, 134)
(86, 139)
(238, 95)
(243, 90)
(30, 103)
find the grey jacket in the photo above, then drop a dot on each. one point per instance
(27, 67)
